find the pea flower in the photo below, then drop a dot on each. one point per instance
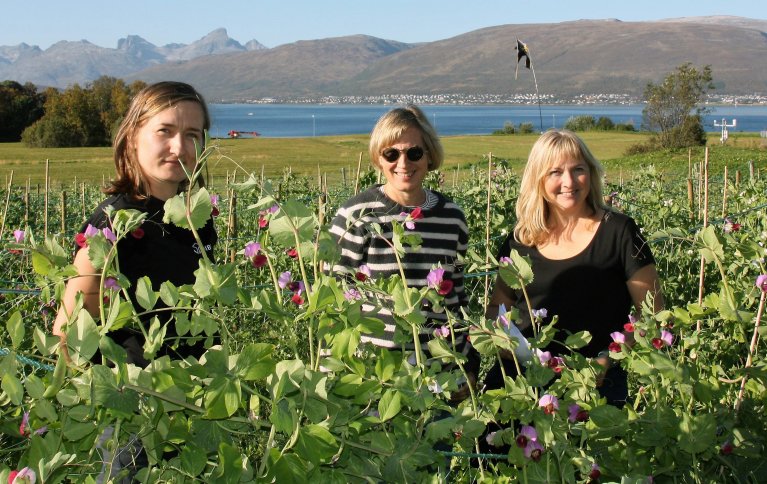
(214, 202)
(435, 280)
(137, 233)
(629, 327)
(730, 226)
(761, 282)
(292, 253)
(24, 476)
(284, 279)
(533, 451)
(434, 387)
(24, 424)
(297, 299)
(19, 236)
(618, 337)
(251, 249)
(543, 356)
(490, 438)
(112, 284)
(411, 217)
(506, 261)
(667, 337)
(352, 295)
(726, 448)
(632, 319)
(91, 231)
(442, 331)
(109, 235)
(540, 313)
(363, 273)
(526, 434)
(595, 471)
(575, 413)
(549, 403)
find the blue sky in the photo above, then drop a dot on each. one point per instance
(276, 22)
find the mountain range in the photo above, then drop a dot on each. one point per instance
(569, 59)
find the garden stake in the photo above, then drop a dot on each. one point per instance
(63, 209)
(45, 198)
(487, 224)
(724, 194)
(751, 351)
(357, 180)
(7, 202)
(705, 223)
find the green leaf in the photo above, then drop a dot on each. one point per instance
(15, 328)
(98, 251)
(193, 459)
(145, 296)
(389, 405)
(12, 387)
(255, 362)
(107, 394)
(316, 444)
(385, 365)
(517, 274)
(222, 397)
(83, 337)
(169, 294)
(697, 433)
(41, 264)
(578, 340)
(283, 417)
(293, 215)
(199, 208)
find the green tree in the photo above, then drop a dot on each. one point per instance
(674, 108)
(580, 123)
(20, 106)
(605, 124)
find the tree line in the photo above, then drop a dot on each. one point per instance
(77, 116)
(88, 116)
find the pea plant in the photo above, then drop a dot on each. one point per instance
(286, 390)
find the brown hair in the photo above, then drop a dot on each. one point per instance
(390, 127)
(147, 103)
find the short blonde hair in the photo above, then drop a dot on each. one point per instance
(390, 127)
(532, 208)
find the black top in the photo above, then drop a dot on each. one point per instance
(165, 252)
(587, 291)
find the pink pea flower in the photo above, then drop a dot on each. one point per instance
(543, 356)
(273, 209)
(363, 273)
(24, 476)
(667, 337)
(533, 451)
(632, 318)
(284, 279)
(595, 472)
(111, 284)
(618, 337)
(506, 261)
(91, 231)
(629, 327)
(352, 295)
(526, 434)
(761, 282)
(442, 331)
(19, 236)
(435, 280)
(109, 235)
(577, 414)
(24, 424)
(251, 249)
(540, 313)
(730, 226)
(549, 403)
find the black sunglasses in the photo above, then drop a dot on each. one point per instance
(414, 153)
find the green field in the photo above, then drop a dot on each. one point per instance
(330, 154)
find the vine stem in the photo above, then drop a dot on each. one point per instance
(751, 350)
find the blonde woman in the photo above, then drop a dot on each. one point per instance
(591, 265)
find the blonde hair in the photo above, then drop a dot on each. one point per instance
(532, 208)
(390, 127)
(147, 103)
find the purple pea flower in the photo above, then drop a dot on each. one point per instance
(533, 451)
(667, 337)
(352, 295)
(284, 279)
(109, 235)
(549, 403)
(111, 283)
(251, 249)
(761, 282)
(91, 231)
(540, 313)
(442, 331)
(19, 236)
(618, 337)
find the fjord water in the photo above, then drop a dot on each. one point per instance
(304, 120)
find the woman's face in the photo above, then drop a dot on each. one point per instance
(404, 177)
(164, 142)
(566, 186)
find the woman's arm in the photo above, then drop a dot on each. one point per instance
(87, 283)
(644, 281)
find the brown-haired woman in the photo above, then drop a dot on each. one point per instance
(154, 153)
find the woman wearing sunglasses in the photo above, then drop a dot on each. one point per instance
(405, 147)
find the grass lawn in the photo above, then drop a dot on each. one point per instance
(331, 154)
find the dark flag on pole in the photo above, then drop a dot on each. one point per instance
(522, 51)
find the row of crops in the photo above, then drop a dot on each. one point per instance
(286, 392)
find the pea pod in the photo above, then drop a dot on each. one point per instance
(59, 373)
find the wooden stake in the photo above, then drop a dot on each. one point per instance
(63, 210)
(724, 194)
(231, 223)
(357, 180)
(7, 203)
(691, 198)
(45, 198)
(705, 224)
(487, 226)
